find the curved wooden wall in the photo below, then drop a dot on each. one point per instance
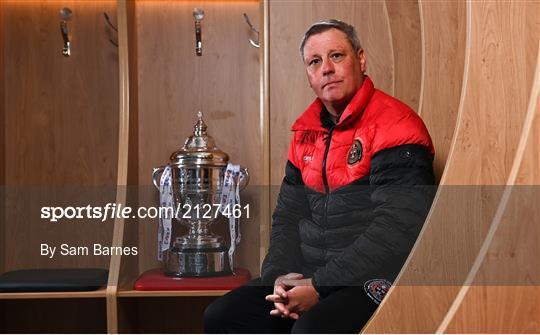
(496, 87)
(404, 22)
(443, 37)
(502, 291)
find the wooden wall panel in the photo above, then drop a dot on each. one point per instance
(174, 84)
(129, 267)
(290, 93)
(125, 124)
(502, 291)
(60, 126)
(2, 139)
(492, 110)
(444, 56)
(404, 20)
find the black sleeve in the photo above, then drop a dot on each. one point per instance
(402, 191)
(284, 254)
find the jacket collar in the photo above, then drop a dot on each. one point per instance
(311, 118)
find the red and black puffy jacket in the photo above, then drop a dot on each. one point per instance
(355, 193)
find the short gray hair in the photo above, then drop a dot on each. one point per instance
(322, 26)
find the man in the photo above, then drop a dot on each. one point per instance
(351, 205)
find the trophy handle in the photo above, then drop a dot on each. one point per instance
(245, 181)
(156, 172)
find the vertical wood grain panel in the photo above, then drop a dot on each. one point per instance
(444, 57)
(266, 202)
(501, 69)
(404, 20)
(60, 126)
(2, 139)
(59, 109)
(501, 294)
(174, 84)
(129, 267)
(122, 165)
(493, 107)
(290, 93)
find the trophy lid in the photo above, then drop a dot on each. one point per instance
(200, 148)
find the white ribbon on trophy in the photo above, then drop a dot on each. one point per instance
(230, 198)
(166, 200)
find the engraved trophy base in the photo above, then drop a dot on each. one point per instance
(184, 260)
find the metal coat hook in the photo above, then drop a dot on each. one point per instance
(65, 15)
(108, 19)
(256, 44)
(198, 14)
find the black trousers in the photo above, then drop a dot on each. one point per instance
(244, 310)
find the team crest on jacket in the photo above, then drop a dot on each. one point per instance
(355, 153)
(376, 289)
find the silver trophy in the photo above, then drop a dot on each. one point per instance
(198, 171)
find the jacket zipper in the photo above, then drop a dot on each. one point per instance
(325, 180)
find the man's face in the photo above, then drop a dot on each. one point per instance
(334, 71)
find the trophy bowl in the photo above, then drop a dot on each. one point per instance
(197, 175)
